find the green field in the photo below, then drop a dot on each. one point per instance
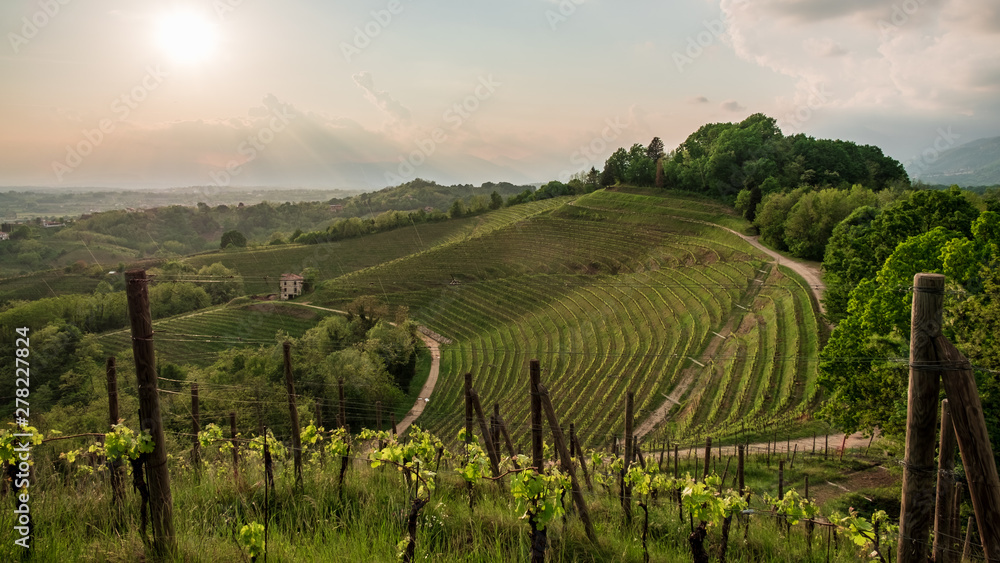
(262, 267)
(197, 338)
(611, 292)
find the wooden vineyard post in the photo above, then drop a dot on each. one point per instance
(676, 460)
(537, 451)
(814, 444)
(117, 494)
(943, 544)
(293, 413)
(781, 479)
(343, 403)
(572, 444)
(140, 320)
(969, 424)
(539, 537)
(487, 437)
(236, 447)
(468, 413)
(495, 427)
(392, 422)
(567, 462)
(708, 457)
(916, 514)
(956, 515)
(791, 464)
(627, 489)
(510, 443)
(582, 457)
(195, 429)
(739, 468)
(967, 550)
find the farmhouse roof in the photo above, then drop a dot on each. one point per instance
(291, 277)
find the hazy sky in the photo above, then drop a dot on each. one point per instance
(368, 93)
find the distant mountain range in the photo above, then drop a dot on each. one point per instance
(976, 163)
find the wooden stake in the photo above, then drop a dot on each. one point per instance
(392, 422)
(195, 429)
(161, 503)
(343, 403)
(974, 443)
(708, 457)
(510, 443)
(916, 514)
(293, 413)
(566, 461)
(739, 468)
(781, 479)
(967, 550)
(583, 460)
(487, 437)
(626, 488)
(236, 447)
(537, 451)
(117, 477)
(945, 489)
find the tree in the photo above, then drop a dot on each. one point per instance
(457, 209)
(225, 284)
(615, 167)
(655, 149)
(593, 177)
(858, 249)
(866, 388)
(660, 181)
(233, 238)
(496, 200)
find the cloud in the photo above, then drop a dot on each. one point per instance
(732, 105)
(381, 98)
(922, 55)
(698, 100)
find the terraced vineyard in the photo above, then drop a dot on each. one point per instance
(262, 268)
(612, 292)
(197, 338)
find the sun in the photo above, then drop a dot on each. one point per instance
(186, 36)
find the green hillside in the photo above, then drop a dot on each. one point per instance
(197, 338)
(976, 163)
(612, 291)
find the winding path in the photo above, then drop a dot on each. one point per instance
(432, 377)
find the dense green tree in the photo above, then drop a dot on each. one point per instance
(233, 238)
(655, 149)
(457, 209)
(858, 250)
(222, 284)
(496, 200)
(867, 386)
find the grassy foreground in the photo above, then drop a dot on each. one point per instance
(366, 520)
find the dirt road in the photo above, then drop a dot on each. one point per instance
(432, 377)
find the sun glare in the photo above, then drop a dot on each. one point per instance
(186, 36)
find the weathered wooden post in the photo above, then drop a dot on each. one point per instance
(236, 447)
(567, 462)
(739, 468)
(195, 429)
(117, 494)
(140, 319)
(708, 457)
(537, 450)
(293, 412)
(973, 442)
(916, 514)
(943, 544)
(625, 487)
